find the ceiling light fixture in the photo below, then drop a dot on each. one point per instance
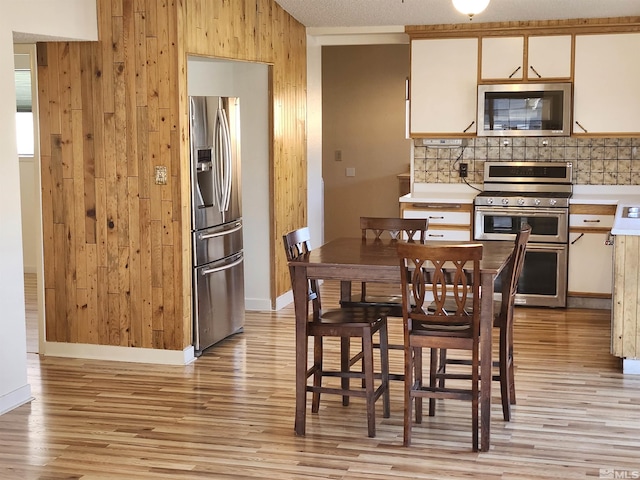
(470, 7)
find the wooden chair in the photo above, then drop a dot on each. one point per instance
(394, 229)
(345, 323)
(504, 322)
(423, 272)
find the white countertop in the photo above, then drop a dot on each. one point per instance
(622, 196)
(605, 194)
(441, 193)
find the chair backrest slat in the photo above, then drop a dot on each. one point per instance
(297, 244)
(432, 274)
(413, 228)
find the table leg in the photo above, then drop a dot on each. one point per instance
(486, 323)
(300, 305)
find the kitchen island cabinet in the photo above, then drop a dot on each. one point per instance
(625, 312)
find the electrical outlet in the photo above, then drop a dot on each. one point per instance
(464, 170)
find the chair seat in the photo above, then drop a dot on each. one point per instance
(356, 316)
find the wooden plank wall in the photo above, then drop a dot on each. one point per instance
(116, 245)
(261, 31)
(625, 334)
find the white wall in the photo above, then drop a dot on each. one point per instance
(315, 184)
(249, 82)
(72, 19)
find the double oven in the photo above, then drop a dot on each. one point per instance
(534, 193)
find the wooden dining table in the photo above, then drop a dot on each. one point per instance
(354, 259)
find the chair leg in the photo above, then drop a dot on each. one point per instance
(317, 376)
(383, 333)
(408, 403)
(510, 370)
(433, 379)
(345, 356)
(504, 375)
(418, 381)
(367, 360)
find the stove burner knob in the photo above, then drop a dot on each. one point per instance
(553, 201)
(521, 201)
(490, 201)
(536, 201)
(505, 201)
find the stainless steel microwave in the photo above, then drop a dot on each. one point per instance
(524, 109)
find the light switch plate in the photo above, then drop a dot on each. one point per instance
(161, 175)
(350, 172)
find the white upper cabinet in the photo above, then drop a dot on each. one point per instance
(549, 57)
(502, 58)
(444, 75)
(606, 96)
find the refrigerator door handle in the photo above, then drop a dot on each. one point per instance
(218, 153)
(227, 165)
(204, 236)
(209, 271)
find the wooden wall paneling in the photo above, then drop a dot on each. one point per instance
(64, 93)
(117, 263)
(158, 316)
(108, 45)
(632, 294)
(141, 83)
(76, 207)
(151, 18)
(130, 84)
(145, 274)
(134, 267)
(69, 269)
(89, 136)
(153, 100)
(124, 297)
(60, 319)
(172, 327)
(164, 62)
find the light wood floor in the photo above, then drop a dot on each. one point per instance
(230, 415)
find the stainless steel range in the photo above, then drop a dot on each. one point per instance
(536, 193)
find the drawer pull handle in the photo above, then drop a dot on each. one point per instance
(431, 217)
(440, 235)
(592, 221)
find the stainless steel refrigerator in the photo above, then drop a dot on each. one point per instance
(216, 219)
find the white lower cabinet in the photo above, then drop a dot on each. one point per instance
(590, 250)
(447, 221)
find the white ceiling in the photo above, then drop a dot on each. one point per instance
(376, 13)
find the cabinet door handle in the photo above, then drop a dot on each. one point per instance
(470, 125)
(534, 71)
(577, 238)
(515, 71)
(584, 129)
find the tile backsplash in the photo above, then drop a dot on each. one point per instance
(596, 161)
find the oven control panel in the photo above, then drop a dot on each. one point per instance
(540, 199)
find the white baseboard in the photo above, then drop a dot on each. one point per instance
(119, 354)
(284, 300)
(16, 398)
(257, 304)
(631, 366)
